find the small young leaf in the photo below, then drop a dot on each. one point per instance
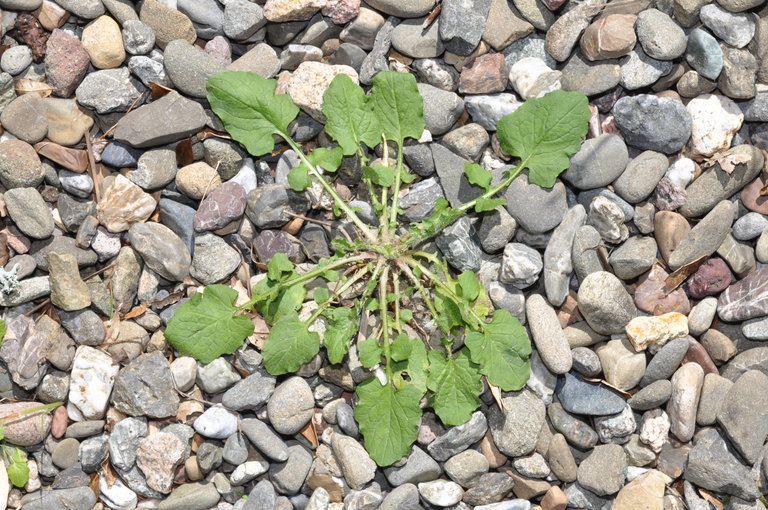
(321, 295)
(2, 332)
(289, 301)
(470, 285)
(397, 104)
(289, 345)
(342, 324)
(545, 132)
(206, 326)
(369, 352)
(488, 204)
(456, 384)
(349, 121)
(401, 347)
(249, 108)
(388, 418)
(406, 315)
(279, 266)
(327, 159)
(478, 175)
(18, 471)
(298, 178)
(502, 351)
(380, 175)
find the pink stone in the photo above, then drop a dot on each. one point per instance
(711, 278)
(486, 75)
(158, 457)
(223, 205)
(751, 198)
(341, 11)
(698, 354)
(66, 63)
(59, 423)
(553, 5)
(650, 296)
(220, 50)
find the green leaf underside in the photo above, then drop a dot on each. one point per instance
(398, 106)
(289, 345)
(380, 175)
(206, 326)
(502, 351)
(456, 383)
(249, 108)
(544, 132)
(342, 324)
(349, 120)
(470, 285)
(388, 418)
(478, 175)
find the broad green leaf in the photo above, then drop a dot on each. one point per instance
(388, 418)
(545, 132)
(290, 301)
(369, 352)
(415, 367)
(450, 313)
(488, 204)
(397, 104)
(342, 324)
(502, 351)
(401, 347)
(406, 315)
(456, 383)
(349, 121)
(249, 108)
(321, 295)
(470, 285)
(380, 175)
(18, 471)
(289, 345)
(478, 175)
(207, 326)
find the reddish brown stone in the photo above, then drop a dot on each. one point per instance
(66, 63)
(32, 34)
(650, 296)
(610, 37)
(486, 75)
(711, 278)
(698, 354)
(553, 5)
(270, 242)
(751, 198)
(668, 196)
(222, 206)
(341, 11)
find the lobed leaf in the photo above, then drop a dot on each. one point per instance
(477, 175)
(250, 110)
(457, 384)
(388, 418)
(369, 352)
(18, 471)
(397, 104)
(545, 132)
(349, 120)
(207, 326)
(488, 204)
(502, 351)
(289, 345)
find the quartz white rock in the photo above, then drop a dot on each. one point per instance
(216, 423)
(531, 77)
(117, 496)
(91, 380)
(441, 492)
(681, 172)
(714, 121)
(248, 471)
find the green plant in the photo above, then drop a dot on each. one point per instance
(385, 272)
(14, 458)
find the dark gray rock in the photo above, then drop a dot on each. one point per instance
(583, 397)
(458, 439)
(462, 24)
(654, 123)
(458, 244)
(713, 467)
(142, 388)
(598, 163)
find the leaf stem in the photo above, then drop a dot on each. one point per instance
(396, 292)
(511, 174)
(449, 291)
(383, 221)
(419, 287)
(385, 321)
(396, 192)
(306, 277)
(327, 186)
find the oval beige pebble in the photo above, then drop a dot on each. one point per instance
(26, 430)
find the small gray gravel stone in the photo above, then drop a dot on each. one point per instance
(516, 429)
(602, 472)
(291, 406)
(598, 163)
(142, 388)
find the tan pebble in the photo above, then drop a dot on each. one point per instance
(197, 180)
(103, 41)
